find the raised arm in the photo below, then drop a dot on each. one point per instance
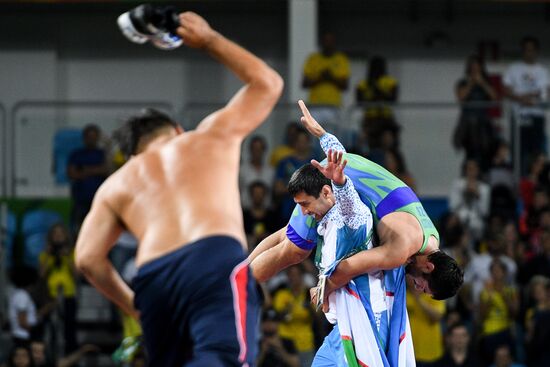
(328, 141)
(263, 86)
(97, 236)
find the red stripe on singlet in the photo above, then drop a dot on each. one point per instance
(239, 282)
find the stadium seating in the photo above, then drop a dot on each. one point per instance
(65, 141)
(34, 227)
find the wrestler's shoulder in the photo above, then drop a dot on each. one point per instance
(193, 136)
(117, 183)
(203, 140)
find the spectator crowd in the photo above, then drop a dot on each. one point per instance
(497, 227)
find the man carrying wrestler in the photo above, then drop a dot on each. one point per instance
(406, 235)
(369, 313)
(178, 195)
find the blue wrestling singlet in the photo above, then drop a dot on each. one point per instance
(199, 306)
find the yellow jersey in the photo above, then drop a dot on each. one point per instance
(498, 318)
(60, 277)
(427, 335)
(299, 324)
(386, 85)
(326, 93)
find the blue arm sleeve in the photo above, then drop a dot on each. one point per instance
(302, 230)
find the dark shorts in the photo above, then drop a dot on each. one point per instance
(199, 306)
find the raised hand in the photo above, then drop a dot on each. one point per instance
(334, 169)
(309, 122)
(194, 30)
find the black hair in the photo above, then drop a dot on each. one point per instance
(456, 325)
(307, 179)
(129, 135)
(292, 125)
(530, 39)
(479, 60)
(465, 165)
(20, 345)
(259, 138)
(51, 230)
(290, 132)
(255, 184)
(446, 278)
(23, 276)
(90, 128)
(377, 68)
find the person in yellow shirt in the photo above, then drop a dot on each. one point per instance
(375, 93)
(57, 268)
(425, 315)
(293, 304)
(377, 87)
(499, 305)
(326, 75)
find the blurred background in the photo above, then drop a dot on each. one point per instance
(449, 95)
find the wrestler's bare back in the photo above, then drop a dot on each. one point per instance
(178, 189)
(178, 193)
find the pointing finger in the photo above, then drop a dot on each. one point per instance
(304, 109)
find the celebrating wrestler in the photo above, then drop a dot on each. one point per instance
(405, 232)
(178, 194)
(371, 326)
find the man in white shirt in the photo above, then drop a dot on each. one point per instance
(21, 308)
(470, 199)
(526, 83)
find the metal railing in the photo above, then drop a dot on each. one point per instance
(3, 254)
(427, 130)
(4, 151)
(426, 133)
(34, 124)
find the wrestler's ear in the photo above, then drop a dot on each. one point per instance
(429, 267)
(326, 191)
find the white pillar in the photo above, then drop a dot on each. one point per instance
(302, 40)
